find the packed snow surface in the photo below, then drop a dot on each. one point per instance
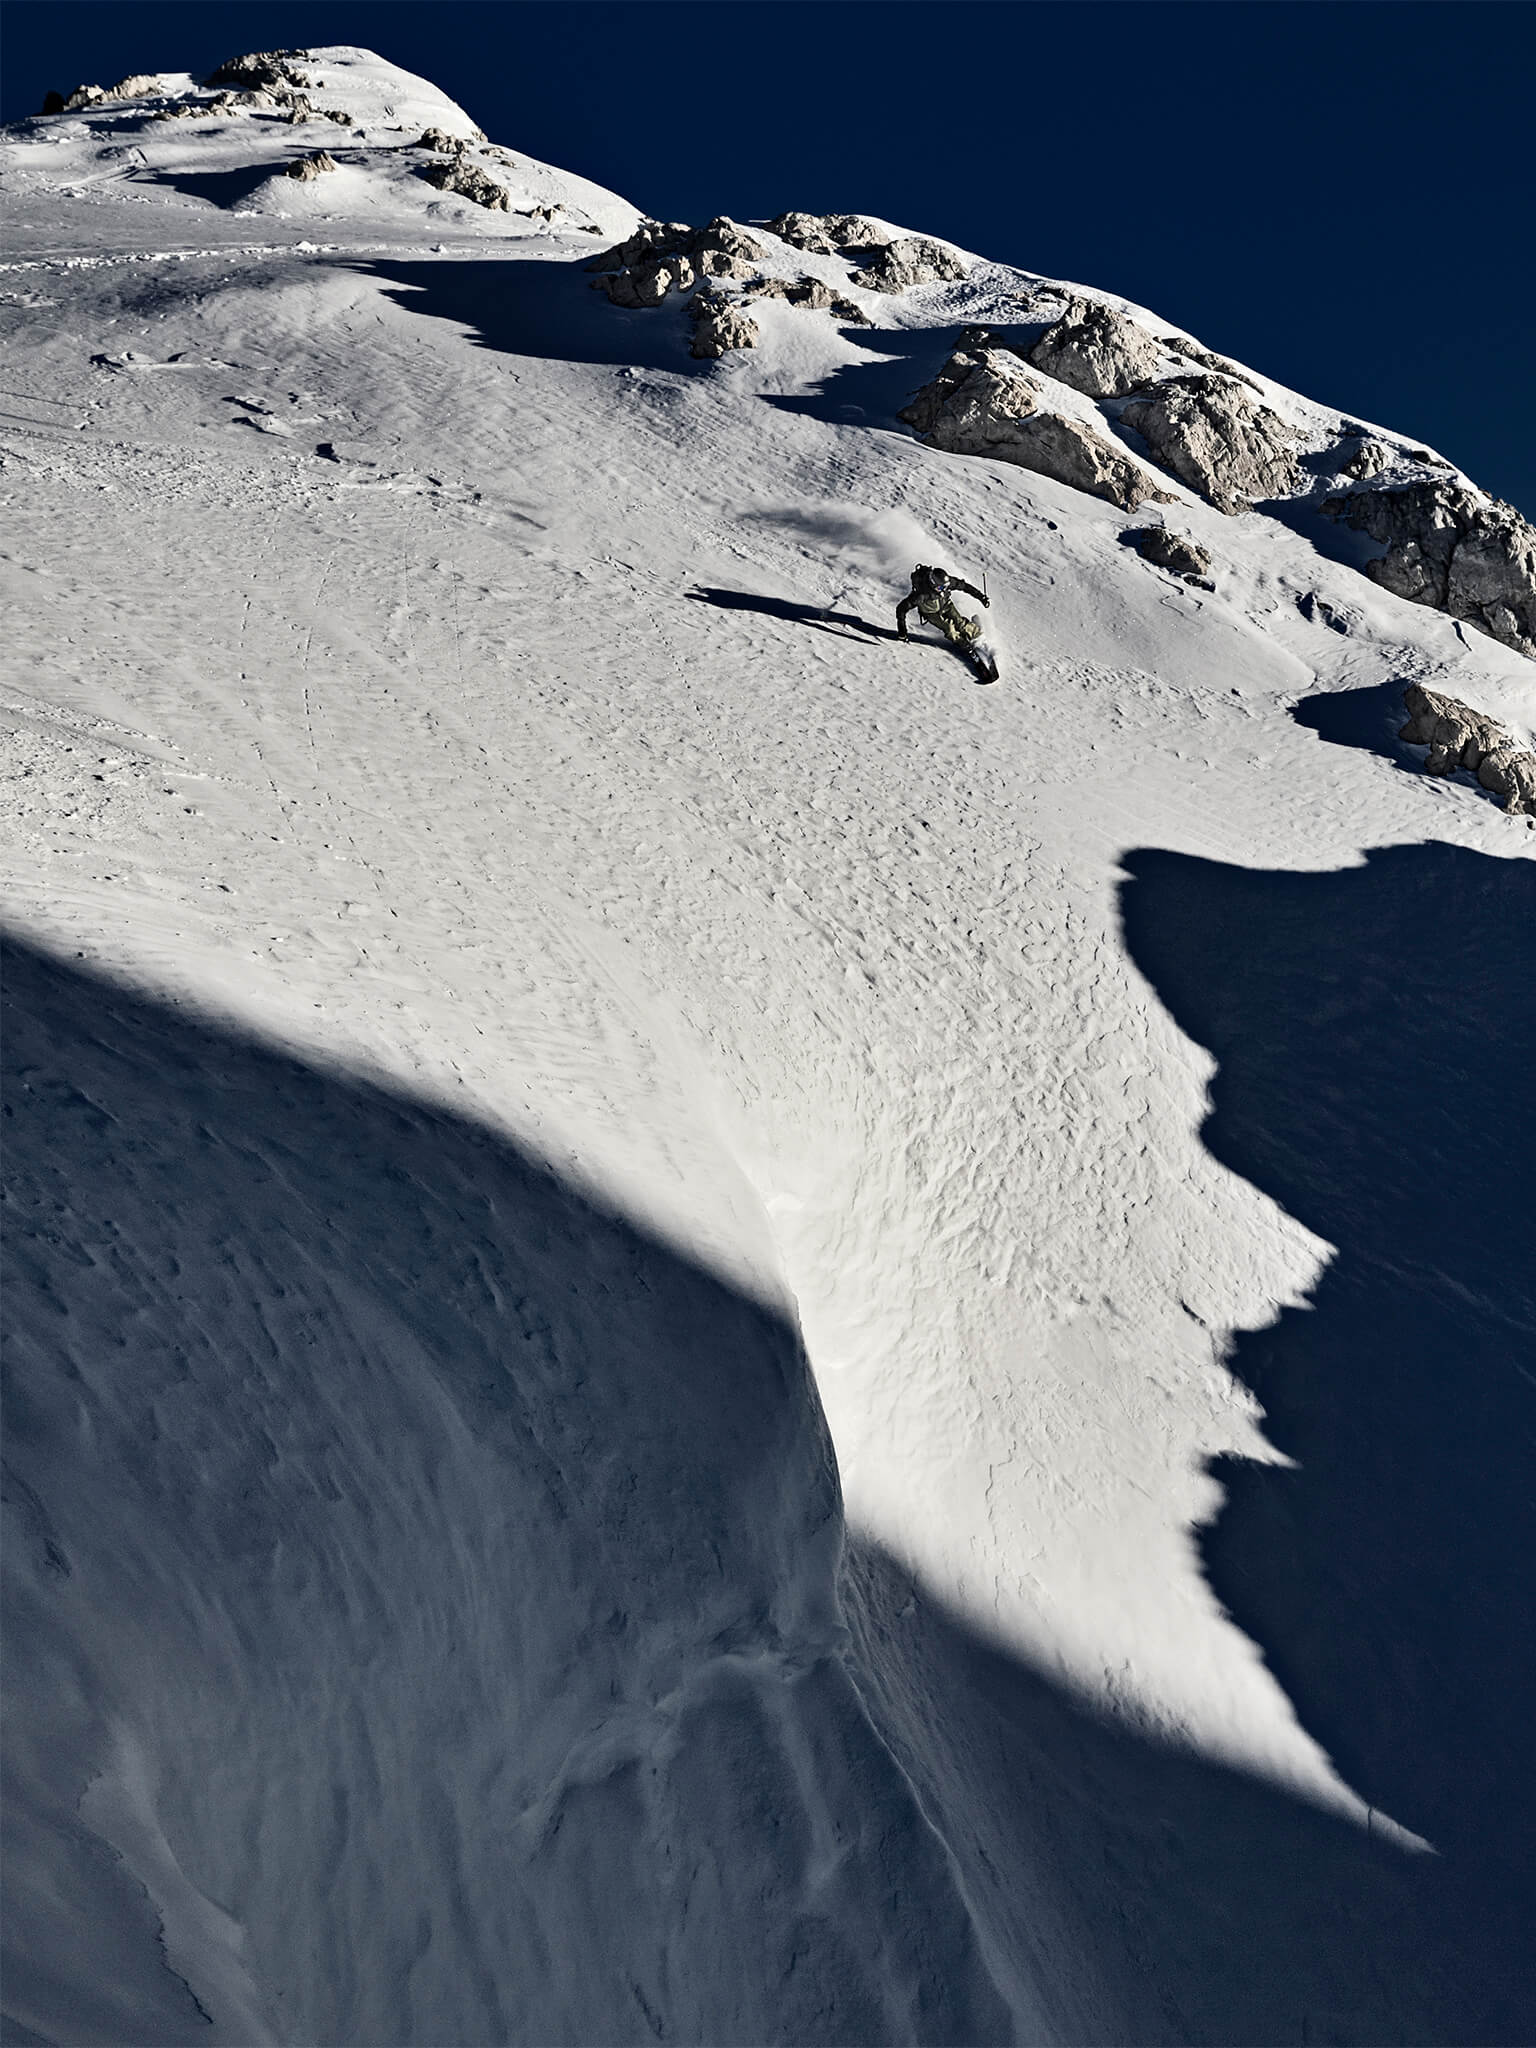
(712, 1337)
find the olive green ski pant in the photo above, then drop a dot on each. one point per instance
(956, 628)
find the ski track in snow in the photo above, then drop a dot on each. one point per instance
(558, 949)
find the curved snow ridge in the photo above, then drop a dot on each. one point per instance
(420, 1501)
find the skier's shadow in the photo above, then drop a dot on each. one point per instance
(814, 615)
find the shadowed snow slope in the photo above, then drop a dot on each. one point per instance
(710, 1337)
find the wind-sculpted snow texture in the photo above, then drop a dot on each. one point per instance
(711, 1338)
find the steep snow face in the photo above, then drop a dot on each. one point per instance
(651, 1230)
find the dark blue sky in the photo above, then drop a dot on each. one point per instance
(1336, 191)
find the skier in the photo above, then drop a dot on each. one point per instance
(931, 593)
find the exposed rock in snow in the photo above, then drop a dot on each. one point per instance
(1098, 351)
(827, 234)
(854, 231)
(262, 69)
(723, 238)
(1213, 437)
(805, 231)
(1450, 547)
(137, 86)
(985, 402)
(469, 182)
(808, 293)
(649, 283)
(1173, 551)
(719, 324)
(649, 239)
(440, 140)
(1364, 455)
(664, 256)
(1192, 352)
(314, 165)
(900, 265)
(1459, 737)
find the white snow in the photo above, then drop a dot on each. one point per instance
(514, 961)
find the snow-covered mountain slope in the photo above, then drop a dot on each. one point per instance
(712, 1337)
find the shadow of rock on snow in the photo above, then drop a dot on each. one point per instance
(534, 307)
(1368, 719)
(459, 1561)
(218, 188)
(1376, 1041)
(871, 393)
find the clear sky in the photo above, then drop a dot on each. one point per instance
(1336, 191)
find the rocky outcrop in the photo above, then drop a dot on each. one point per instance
(1363, 455)
(827, 234)
(468, 181)
(440, 140)
(661, 257)
(1450, 547)
(985, 402)
(719, 324)
(262, 70)
(139, 85)
(810, 294)
(664, 256)
(805, 231)
(900, 265)
(315, 165)
(650, 239)
(1098, 351)
(649, 283)
(1212, 435)
(294, 106)
(1192, 352)
(1175, 552)
(1459, 737)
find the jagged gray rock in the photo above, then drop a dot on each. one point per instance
(649, 283)
(649, 239)
(468, 181)
(805, 231)
(662, 256)
(1459, 737)
(809, 293)
(1450, 547)
(1192, 352)
(1098, 351)
(719, 324)
(900, 265)
(1363, 455)
(440, 140)
(985, 402)
(1213, 437)
(315, 165)
(854, 231)
(262, 69)
(138, 85)
(1176, 552)
(825, 234)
